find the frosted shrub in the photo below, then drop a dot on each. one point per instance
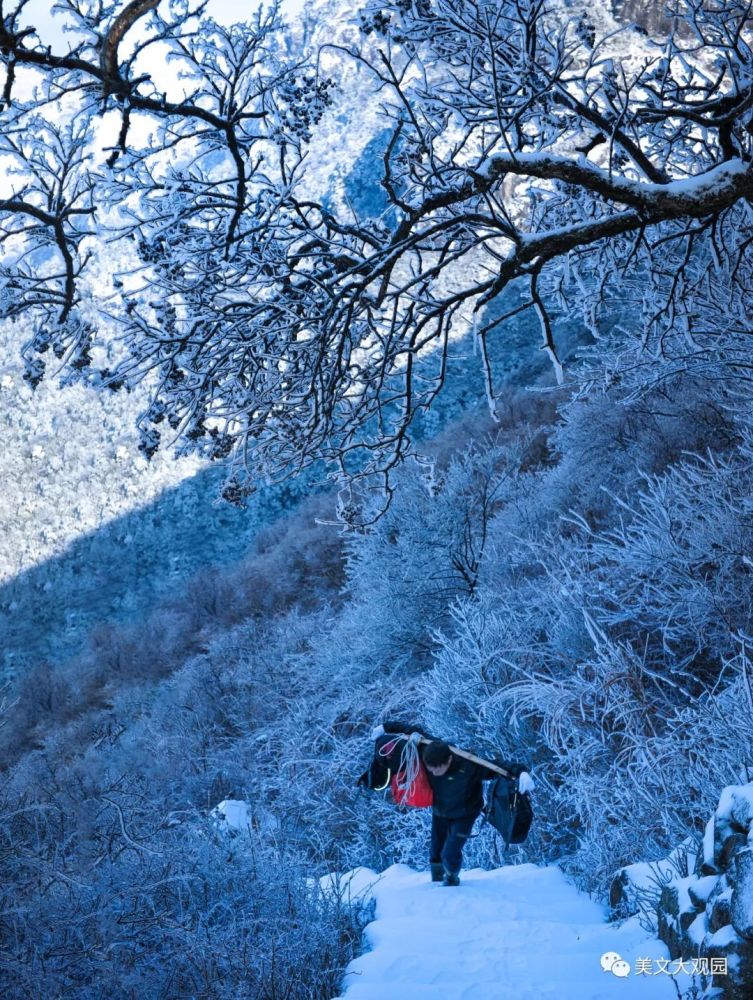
(172, 911)
(604, 655)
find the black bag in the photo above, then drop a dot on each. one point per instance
(386, 762)
(508, 810)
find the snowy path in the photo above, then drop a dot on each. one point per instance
(517, 933)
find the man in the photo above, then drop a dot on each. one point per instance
(458, 800)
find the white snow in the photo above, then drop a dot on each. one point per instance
(723, 938)
(682, 885)
(517, 933)
(233, 814)
(698, 930)
(703, 887)
(650, 876)
(736, 806)
(357, 884)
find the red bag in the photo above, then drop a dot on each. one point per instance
(391, 750)
(419, 794)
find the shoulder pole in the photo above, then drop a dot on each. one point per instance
(456, 751)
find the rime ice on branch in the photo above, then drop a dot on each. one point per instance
(520, 156)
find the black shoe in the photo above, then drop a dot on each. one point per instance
(437, 872)
(450, 879)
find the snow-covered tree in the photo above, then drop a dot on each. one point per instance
(523, 162)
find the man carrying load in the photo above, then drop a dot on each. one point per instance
(456, 796)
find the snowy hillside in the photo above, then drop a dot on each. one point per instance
(55, 486)
(91, 536)
(94, 536)
(561, 580)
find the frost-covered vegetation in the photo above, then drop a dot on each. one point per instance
(573, 593)
(563, 574)
(96, 537)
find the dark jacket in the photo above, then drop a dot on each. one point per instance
(458, 792)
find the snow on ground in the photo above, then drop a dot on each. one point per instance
(517, 933)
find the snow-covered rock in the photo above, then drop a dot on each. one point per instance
(710, 913)
(732, 825)
(645, 879)
(232, 816)
(741, 910)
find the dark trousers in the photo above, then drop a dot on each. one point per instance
(448, 837)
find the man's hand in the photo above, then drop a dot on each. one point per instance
(526, 782)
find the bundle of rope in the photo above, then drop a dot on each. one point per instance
(408, 781)
(410, 765)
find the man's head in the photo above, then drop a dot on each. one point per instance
(437, 758)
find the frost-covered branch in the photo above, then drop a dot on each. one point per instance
(517, 150)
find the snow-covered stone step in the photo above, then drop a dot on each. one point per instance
(517, 933)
